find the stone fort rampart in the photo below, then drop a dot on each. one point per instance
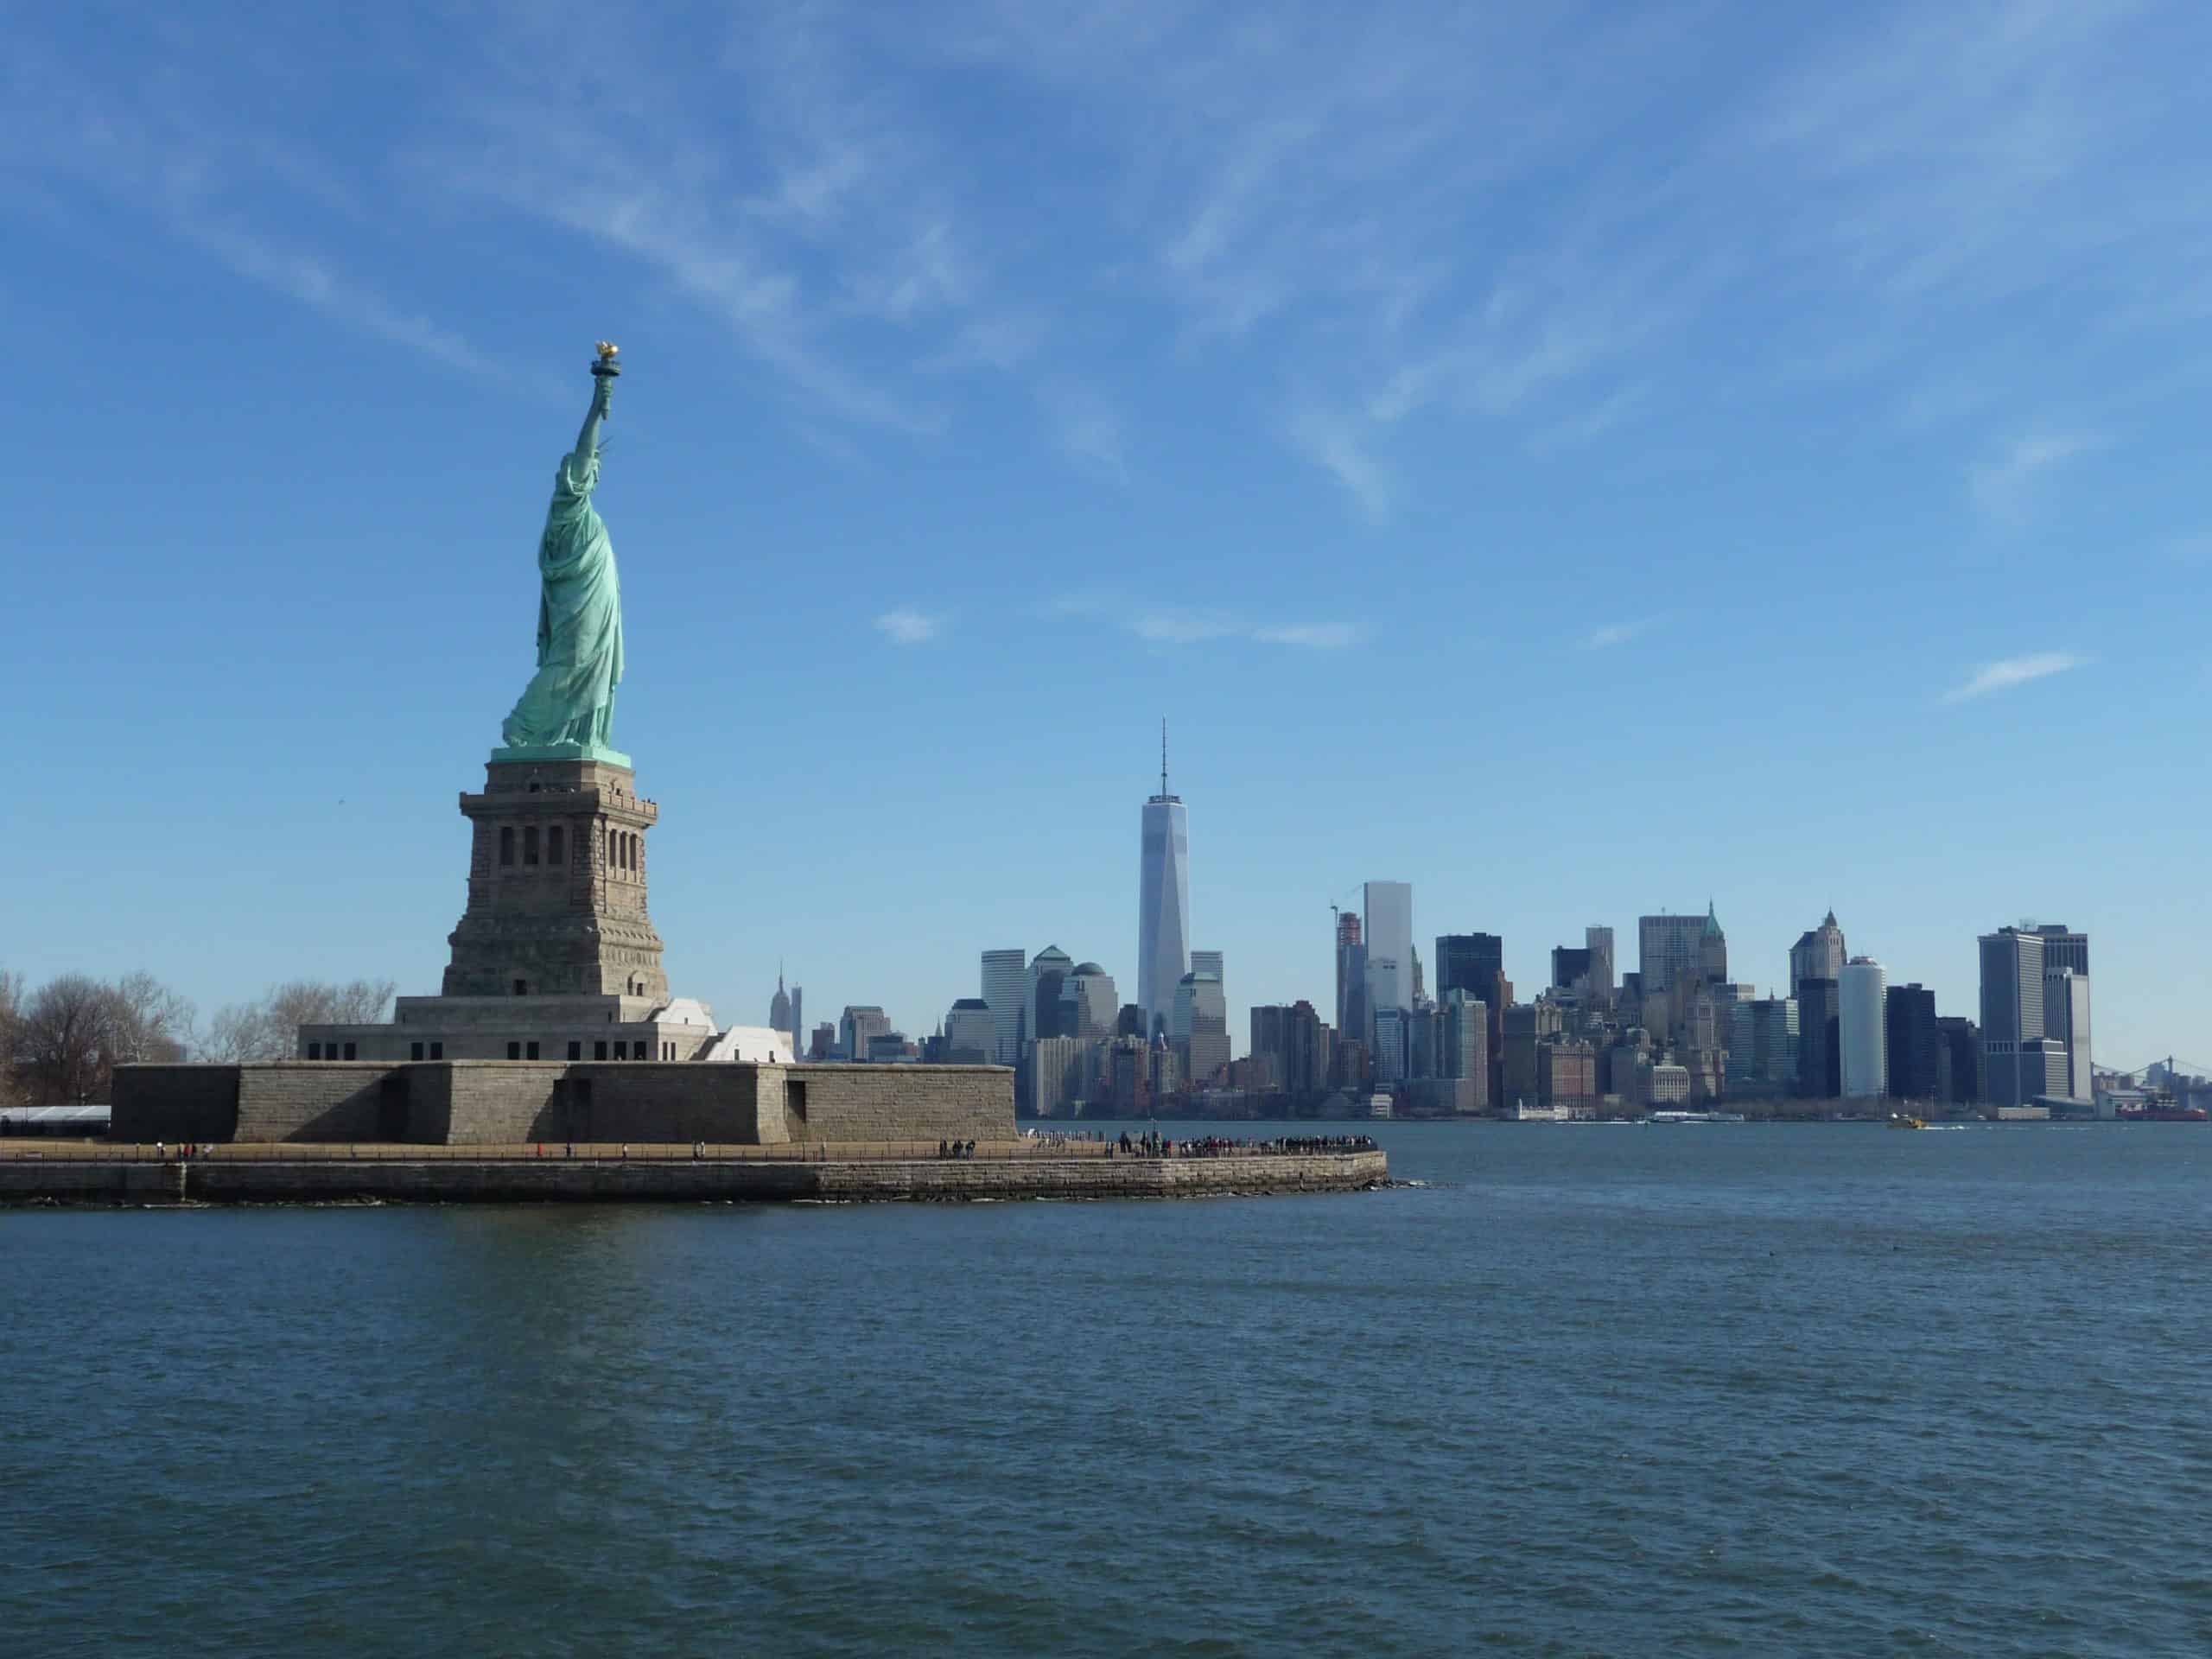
(479, 1103)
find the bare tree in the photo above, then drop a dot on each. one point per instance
(63, 1038)
(363, 1001)
(12, 1000)
(269, 1029)
(152, 1023)
(243, 1031)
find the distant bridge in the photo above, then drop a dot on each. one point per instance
(2173, 1067)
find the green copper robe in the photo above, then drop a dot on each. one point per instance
(571, 697)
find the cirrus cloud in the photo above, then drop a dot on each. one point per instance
(908, 626)
(2010, 671)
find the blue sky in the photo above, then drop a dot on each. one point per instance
(1581, 460)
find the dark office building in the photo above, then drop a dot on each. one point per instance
(1048, 1016)
(1958, 1061)
(1820, 1061)
(1569, 963)
(1294, 1036)
(1475, 964)
(1909, 1033)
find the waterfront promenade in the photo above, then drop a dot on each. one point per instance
(1040, 1168)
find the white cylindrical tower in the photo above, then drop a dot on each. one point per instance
(1860, 1034)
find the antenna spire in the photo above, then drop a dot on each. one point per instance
(1163, 754)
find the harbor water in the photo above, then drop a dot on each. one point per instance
(1583, 1389)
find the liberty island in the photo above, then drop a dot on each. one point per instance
(555, 1023)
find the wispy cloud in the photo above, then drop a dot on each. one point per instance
(1618, 633)
(1171, 626)
(907, 627)
(1086, 424)
(2003, 485)
(1381, 238)
(1179, 627)
(311, 280)
(2011, 671)
(1333, 442)
(184, 167)
(1317, 636)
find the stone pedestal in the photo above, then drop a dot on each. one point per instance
(557, 885)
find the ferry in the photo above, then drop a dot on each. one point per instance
(1906, 1120)
(1697, 1117)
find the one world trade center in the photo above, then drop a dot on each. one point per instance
(1163, 902)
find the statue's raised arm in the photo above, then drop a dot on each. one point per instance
(602, 395)
(568, 708)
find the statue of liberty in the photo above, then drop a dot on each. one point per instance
(566, 711)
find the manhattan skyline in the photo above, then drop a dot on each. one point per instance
(1802, 561)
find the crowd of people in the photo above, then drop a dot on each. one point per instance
(1152, 1144)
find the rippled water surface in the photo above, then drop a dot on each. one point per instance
(1816, 1390)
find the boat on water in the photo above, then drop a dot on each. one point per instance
(1906, 1120)
(1697, 1117)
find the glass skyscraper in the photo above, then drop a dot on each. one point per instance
(1389, 906)
(1163, 901)
(1006, 976)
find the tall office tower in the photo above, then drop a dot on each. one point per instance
(2066, 1019)
(1668, 951)
(1132, 1021)
(1351, 976)
(1599, 943)
(1271, 1035)
(2064, 948)
(1727, 996)
(1861, 1039)
(1422, 1040)
(1201, 1020)
(1163, 899)
(1355, 1014)
(1958, 1059)
(1040, 1001)
(857, 1026)
(1420, 985)
(1087, 1003)
(1056, 1076)
(1207, 962)
(2011, 1015)
(1526, 1026)
(1006, 976)
(779, 1006)
(1819, 1076)
(823, 1046)
(1818, 953)
(971, 1036)
(798, 1019)
(1570, 969)
(1389, 936)
(1464, 1050)
(1473, 962)
(1909, 1016)
(1762, 1045)
(1389, 1056)
(1712, 948)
